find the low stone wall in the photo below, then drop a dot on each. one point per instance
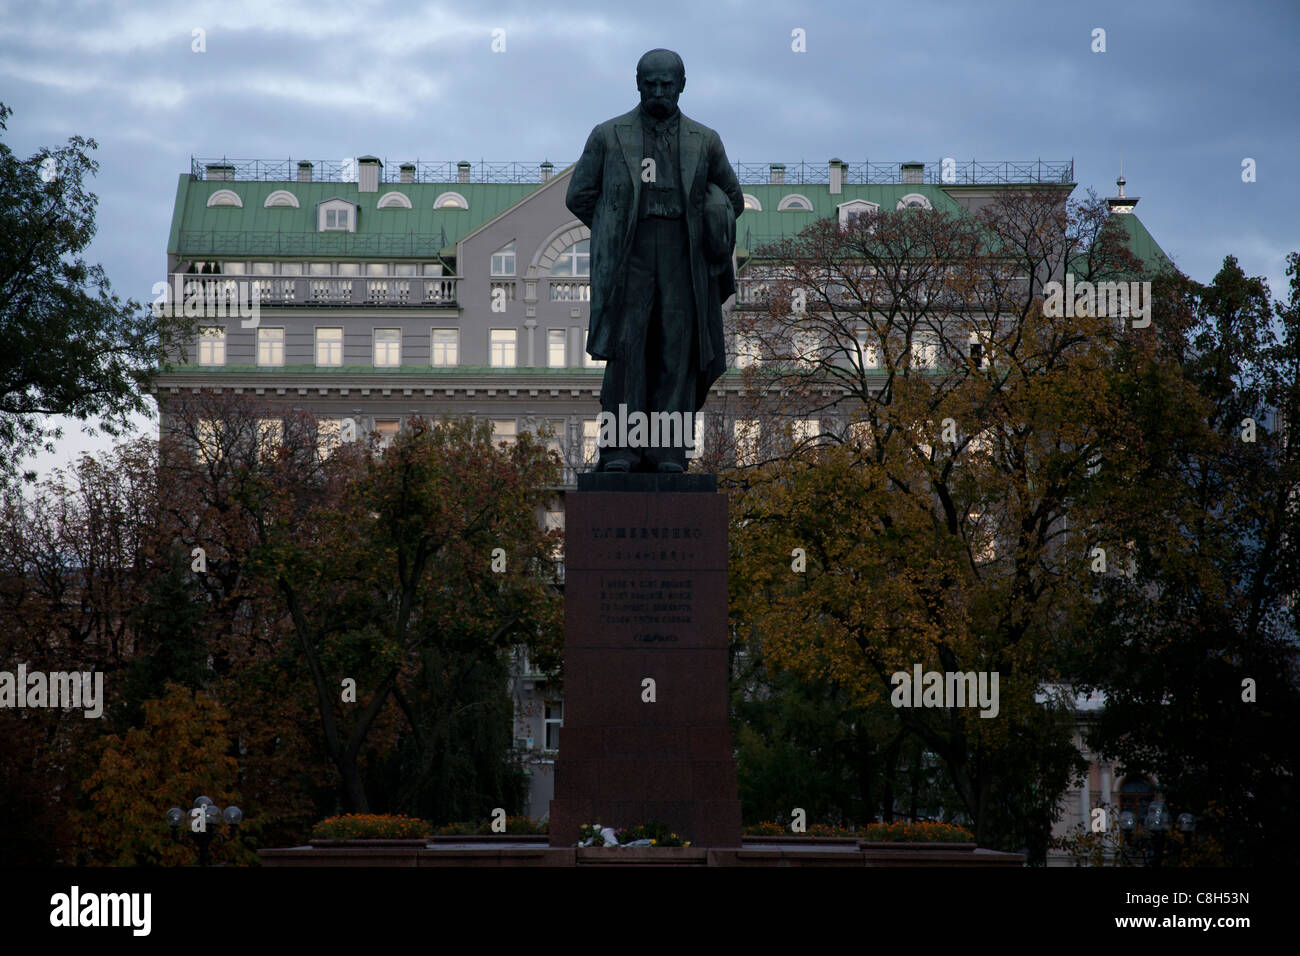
(508, 850)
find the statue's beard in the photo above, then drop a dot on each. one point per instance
(660, 108)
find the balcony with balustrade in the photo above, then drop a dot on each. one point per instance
(214, 292)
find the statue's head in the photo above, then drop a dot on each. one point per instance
(661, 77)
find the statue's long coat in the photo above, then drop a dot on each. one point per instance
(605, 194)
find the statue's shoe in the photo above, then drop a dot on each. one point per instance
(670, 468)
(616, 464)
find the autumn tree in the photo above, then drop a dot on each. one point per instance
(68, 345)
(180, 753)
(1195, 650)
(403, 570)
(923, 490)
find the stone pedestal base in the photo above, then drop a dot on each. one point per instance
(645, 733)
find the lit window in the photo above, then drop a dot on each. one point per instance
(270, 346)
(270, 434)
(386, 429)
(552, 723)
(328, 436)
(555, 348)
(751, 202)
(587, 360)
(983, 542)
(504, 430)
(747, 350)
(574, 261)
(554, 521)
(868, 353)
(388, 348)
(445, 347)
(747, 436)
(501, 348)
(329, 347)
(209, 441)
(806, 347)
(805, 429)
(555, 442)
(590, 432)
(503, 260)
(212, 346)
(450, 201)
(925, 351)
(860, 436)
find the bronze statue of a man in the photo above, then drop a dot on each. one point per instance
(661, 200)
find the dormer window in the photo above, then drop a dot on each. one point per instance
(914, 201)
(751, 202)
(795, 203)
(853, 208)
(337, 215)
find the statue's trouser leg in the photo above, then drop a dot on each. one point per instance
(672, 356)
(625, 375)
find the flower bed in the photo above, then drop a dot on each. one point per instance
(900, 833)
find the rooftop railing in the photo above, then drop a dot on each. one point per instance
(865, 173)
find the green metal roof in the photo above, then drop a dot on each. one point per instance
(282, 231)
(769, 223)
(1141, 243)
(255, 230)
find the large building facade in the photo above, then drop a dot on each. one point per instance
(434, 289)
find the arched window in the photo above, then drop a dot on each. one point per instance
(795, 203)
(575, 260)
(914, 201)
(225, 197)
(751, 202)
(1136, 794)
(393, 200)
(450, 200)
(281, 197)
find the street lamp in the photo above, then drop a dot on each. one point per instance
(203, 835)
(1143, 839)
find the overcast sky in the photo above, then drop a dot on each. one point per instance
(1183, 93)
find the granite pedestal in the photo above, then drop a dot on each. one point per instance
(646, 601)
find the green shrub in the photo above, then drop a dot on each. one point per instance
(370, 826)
